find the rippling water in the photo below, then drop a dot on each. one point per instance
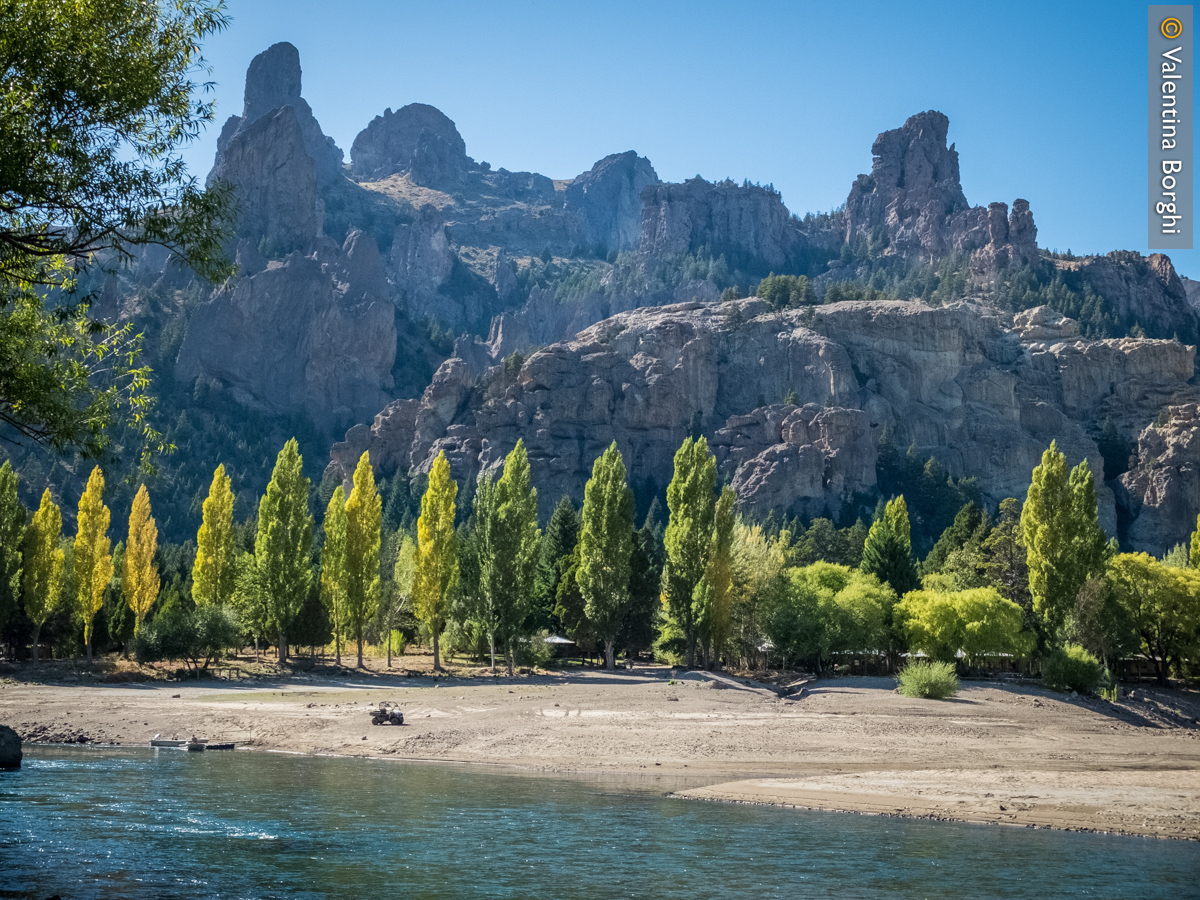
(85, 822)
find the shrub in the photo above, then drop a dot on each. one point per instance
(1072, 668)
(197, 636)
(932, 680)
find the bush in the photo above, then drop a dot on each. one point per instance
(197, 635)
(932, 680)
(1072, 668)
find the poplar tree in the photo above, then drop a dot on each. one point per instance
(1063, 539)
(887, 553)
(333, 566)
(43, 565)
(12, 536)
(478, 598)
(712, 599)
(364, 509)
(692, 505)
(605, 546)
(93, 558)
(283, 545)
(140, 581)
(437, 553)
(514, 569)
(214, 573)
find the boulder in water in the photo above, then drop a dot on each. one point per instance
(10, 748)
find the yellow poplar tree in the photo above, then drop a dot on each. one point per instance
(364, 510)
(139, 575)
(437, 553)
(214, 573)
(93, 557)
(43, 565)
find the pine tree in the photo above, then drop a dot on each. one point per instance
(43, 565)
(692, 505)
(93, 558)
(437, 553)
(605, 546)
(333, 567)
(1063, 539)
(887, 553)
(554, 555)
(214, 573)
(364, 509)
(283, 546)
(140, 582)
(12, 536)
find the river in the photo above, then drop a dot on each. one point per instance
(132, 823)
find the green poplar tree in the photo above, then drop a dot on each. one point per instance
(887, 553)
(713, 596)
(1063, 539)
(43, 565)
(364, 509)
(214, 572)
(12, 536)
(93, 565)
(333, 566)
(437, 553)
(605, 546)
(283, 545)
(692, 504)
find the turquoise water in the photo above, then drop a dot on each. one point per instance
(86, 822)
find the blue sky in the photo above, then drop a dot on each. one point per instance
(1047, 101)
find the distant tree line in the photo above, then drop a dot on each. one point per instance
(477, 575)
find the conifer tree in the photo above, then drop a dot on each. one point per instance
(364, 509)
(43, 565)
(93, 566)
(887, 553)
(333, 567)
(605, 546)
(283, 546)
(692, 505)
(1063, 539)
(140, 581)
(437, 553)
(554, 556)
(12, 536)
(214, 572)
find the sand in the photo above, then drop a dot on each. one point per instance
(998, 753)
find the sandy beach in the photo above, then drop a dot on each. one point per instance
(998, 753)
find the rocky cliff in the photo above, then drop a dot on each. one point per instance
(965, 384)
(273, 81)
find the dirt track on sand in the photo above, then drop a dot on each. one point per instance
(996, 753)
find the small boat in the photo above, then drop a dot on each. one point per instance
(194, 746)
(229, 745)
(157, 741)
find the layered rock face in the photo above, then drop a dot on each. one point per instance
(1162, 492)
(1142, 289)
(958, 381)
(312, 333)
(750, 225)
(608, 200)
(275, 180)
(417, 139)
(273, 82)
